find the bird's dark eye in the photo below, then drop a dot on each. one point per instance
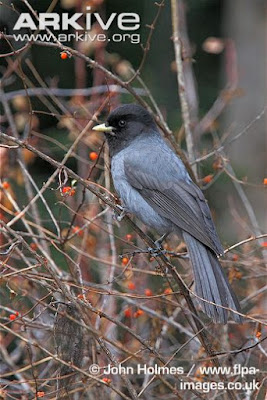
(122, 123)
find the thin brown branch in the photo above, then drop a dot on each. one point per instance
(181, 81)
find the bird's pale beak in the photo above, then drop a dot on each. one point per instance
(102, 128)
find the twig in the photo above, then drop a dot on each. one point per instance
(161, 123)
(60, 92)
(148, 241)
(244, 241)
(236, 137)
(146, 48)
(181, 82)
(226, 94)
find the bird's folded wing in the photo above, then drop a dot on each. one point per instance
(181, 201)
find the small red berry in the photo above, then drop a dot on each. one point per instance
(66, 189)
(125, 260)
(78, 230)
(106, 380)
(128, 237)
(138, 313)
(148, 292)
(33, 246)
(93, 156)
(128, 313)
(168, 291)
(64, 55)
(265, 181)
(258, 335)
(131, 286)
(6, 185)
(12, 317)
(40, 394)
(208, 178)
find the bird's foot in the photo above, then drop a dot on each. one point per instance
(119, 216)
(156, 251)
(159, 241)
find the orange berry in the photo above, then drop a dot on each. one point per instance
(235, 257)
(148, 292)
(40, 394)
(128, 313)
(106, 380)
(66, 189)
(33, 246)
(80, 296)
(258, 335)
(131, 286)
(168, 291)
(93, 156)
(138, 313)
(128, 236)
(12, 317)
(17, 313)
(264, 244)
(6, 185)
(265, 181)
(208, 178)
(125, 260)
(78, 230)
(64, 55)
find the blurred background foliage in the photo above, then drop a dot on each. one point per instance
(204, 20)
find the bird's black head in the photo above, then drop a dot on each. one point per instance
(125, 124)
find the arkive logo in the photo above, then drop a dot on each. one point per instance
(125, 21)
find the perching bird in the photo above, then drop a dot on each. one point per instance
(153, 184)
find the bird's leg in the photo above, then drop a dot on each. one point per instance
(159, 241)
(119, 217)
(158, 250)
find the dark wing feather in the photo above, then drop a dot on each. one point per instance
(180, 201)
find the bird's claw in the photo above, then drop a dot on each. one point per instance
(120, 217)
(157, 251)
(117, 216)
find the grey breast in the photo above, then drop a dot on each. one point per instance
(131, 198)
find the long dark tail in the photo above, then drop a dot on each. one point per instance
(210, 282)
